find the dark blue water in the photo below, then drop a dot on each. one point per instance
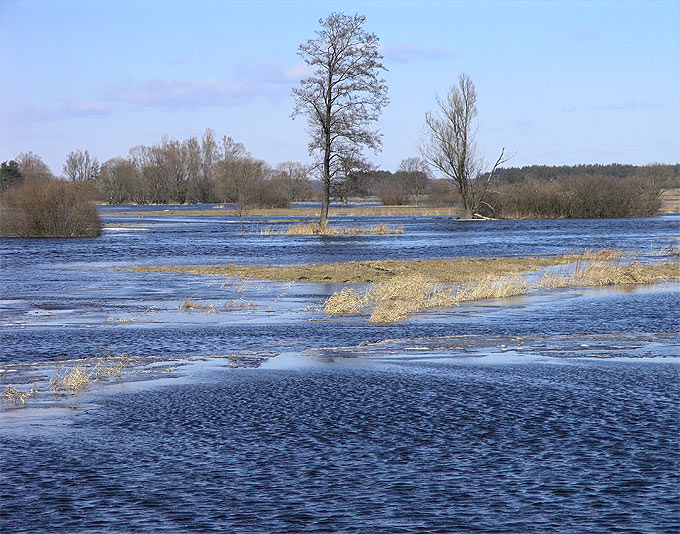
(408, 448)
(476, 441)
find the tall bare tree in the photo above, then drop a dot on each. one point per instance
(342, 96)
(450, 147)
(81, 167)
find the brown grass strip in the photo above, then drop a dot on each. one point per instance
(315, 229)
(445, 271)
(368, 211)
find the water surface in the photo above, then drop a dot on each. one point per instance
(554, 412)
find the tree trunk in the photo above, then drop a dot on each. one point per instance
(325, 201)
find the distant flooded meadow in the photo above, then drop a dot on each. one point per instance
(215, 403)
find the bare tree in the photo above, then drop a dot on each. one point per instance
(174, 162)
(296, 177)
(209, 157)
(192, 151)
(81, 167)
(117, 180)
(414, 174)
(155, 184)
(233, 149)
(32, 167)
(450, 147)
(343, 95)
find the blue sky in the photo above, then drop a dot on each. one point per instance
(558, 82)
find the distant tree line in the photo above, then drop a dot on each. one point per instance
(200, 171)
(663, 176)
(192, 171)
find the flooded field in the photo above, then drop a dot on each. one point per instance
(244, 408)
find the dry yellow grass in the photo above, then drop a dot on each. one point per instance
(445, 271)
(110, 366)
(367, 211)
(399, 288)
(396, 299)
(509, 286)
(345, 302)
(12, 395)
(392, 300)
(73, 380)
(602, 273)
(191, 305)
(313, 228)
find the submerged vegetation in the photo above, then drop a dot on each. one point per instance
(317, 229)
(395, 289)
(72, 376)
(396, 299)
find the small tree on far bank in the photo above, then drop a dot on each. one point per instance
(414, 175)
(450, 147)
(81, 167)
(10, 174)
(342, 96)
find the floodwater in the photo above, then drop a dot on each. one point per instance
(554, 412)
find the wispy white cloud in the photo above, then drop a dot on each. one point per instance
(71, 109)
(263, 80)
(180, 94)
(179, 61)
(407, 52)
(272, 73)
(630, 105)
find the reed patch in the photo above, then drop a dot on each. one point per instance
(397, 299)
(313, 228)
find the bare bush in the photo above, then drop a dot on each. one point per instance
(393, 195)
(583, 196)
(49, 208)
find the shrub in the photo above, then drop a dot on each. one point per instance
(583, 196)
(393, 195)
(49, 208)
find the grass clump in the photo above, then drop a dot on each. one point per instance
(345, 302)
(602, 273)
(396, 299)
(192, 305)
(109, 366)
(314, 228)
(79, 378)
(73, 380)
(48, 208)
(505, 287)
(14, 396)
